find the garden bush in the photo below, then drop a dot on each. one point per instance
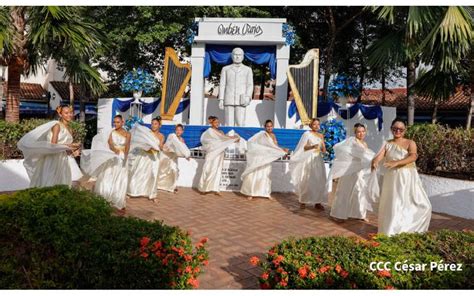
(444, 151)
(11, 133)
(63, 238)
(344, 263)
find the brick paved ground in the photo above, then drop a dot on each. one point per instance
(238, 229)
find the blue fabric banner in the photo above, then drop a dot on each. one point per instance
(369, 112)
(287, 138)
(222, 55)
(147, 108)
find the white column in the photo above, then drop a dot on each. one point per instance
(197, 84)
(282, 55)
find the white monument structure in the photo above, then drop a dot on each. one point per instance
(239, 32)
(235, 89)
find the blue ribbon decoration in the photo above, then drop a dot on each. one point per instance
(147, 108)
(222, 55)
(369, 112)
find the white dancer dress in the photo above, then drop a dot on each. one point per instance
(262, 151)
(109, 168)
(352, 167)
(308, 172)
(48, 164)
(145, 149)
(404, 204)
(168, 175)
(214, 143)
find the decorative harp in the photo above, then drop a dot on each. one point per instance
(304, 83)
(176, 77)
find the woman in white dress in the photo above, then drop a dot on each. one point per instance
(214, 142)
(174, 147)
(404, 205)
(145, 145)
(262, 150)
(308, 172)
(48, 151)
(107, 162)
(352, 166)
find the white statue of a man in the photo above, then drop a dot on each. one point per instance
(235, 89)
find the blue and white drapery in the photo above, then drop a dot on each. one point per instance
(369, 112)
(122, 105)
(222, 55)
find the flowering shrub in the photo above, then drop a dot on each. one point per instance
(345, 263)
(64, 238)
(334, 132)
(138, 80)
(343, 86)
(443, 151)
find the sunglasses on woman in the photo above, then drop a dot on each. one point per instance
(396, 129)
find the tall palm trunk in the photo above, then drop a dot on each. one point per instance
(471, 110)
(12, 110)
(434, 116)
(411, 78)
(16, 64)
(71, 94)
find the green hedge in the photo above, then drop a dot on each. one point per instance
(344, 263)
(444, 151)
(69, 239)
(11, 133)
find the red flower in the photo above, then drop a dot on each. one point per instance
(180, 251)
(264, 276)
(201, 257)
(389, 287)
(205, 262)
(283, 283)
(264, 286)
(144, 254)
(164, 262)
(384, 273)
(324, 269)
(303, 272)
(344, 274)
(193, 282)
(338, 268)
(144, 241)
(280, 270)
(156, 246)
(204, 240)
(375, 244)
(308, 253)
(271, 252)
(188, 258)
(197, 269)
(188, 269)
(312, 275)
(199, 245)
(278, 259)
(254, 260)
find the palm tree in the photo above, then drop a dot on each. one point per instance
(31, 35)
(436, 35)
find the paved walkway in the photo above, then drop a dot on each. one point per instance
(238, 229)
